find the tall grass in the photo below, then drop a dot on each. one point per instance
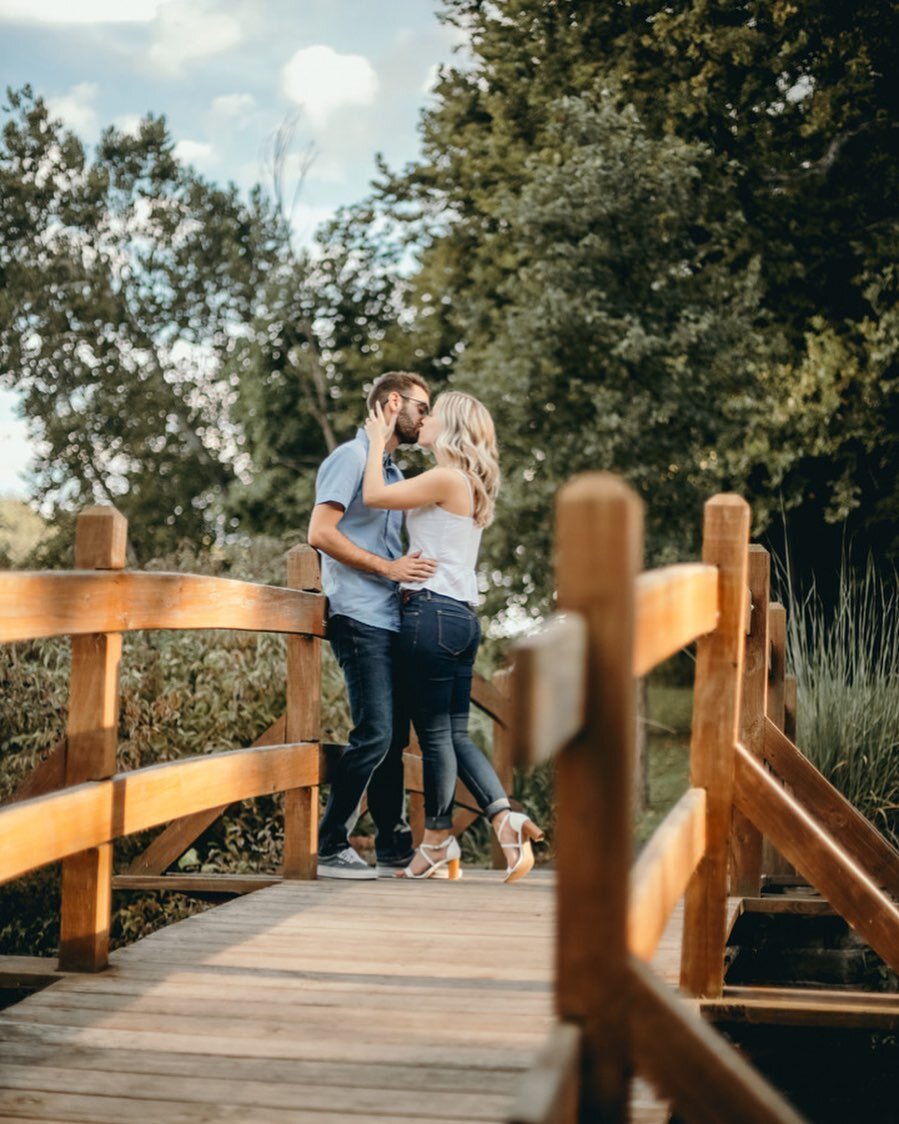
(846, 662)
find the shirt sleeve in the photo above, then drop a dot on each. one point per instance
(339, 477)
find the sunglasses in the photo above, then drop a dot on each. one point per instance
(423, 408)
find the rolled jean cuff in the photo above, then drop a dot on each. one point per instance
(438, 823)
(500, 805)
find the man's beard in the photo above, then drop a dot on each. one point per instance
(406, 429)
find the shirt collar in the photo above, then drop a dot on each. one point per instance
(362, 436)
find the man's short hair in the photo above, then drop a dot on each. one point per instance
(400, 381)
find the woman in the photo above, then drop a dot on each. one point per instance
(448, 506)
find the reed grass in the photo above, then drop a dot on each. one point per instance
(846, 662)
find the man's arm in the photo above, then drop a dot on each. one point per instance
(324, 535)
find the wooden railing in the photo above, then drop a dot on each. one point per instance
(74, 804)
(78, 823)
(573, 695)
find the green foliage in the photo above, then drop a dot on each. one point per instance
(846, 665)
(123, 280)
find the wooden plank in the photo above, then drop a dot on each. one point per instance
(47, 828)
(675, 606)
(548, 1093)
(746, 839)
(817, 855)
(199, 1089)
(171, 843)
(663, 870)
(51, 603)
(302, 723)
(196, 883)
(599, 548)
(835, 1010)
(91, 742)
(29, 971)
(707, 1080)
(841, 819)
(790, 705)
(716, 716)
(347, 1074)
(548, 688)
(777, 638)
(782, 903)
(487, 697)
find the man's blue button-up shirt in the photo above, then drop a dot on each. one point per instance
(368, 598)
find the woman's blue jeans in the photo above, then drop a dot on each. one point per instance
(439, 639)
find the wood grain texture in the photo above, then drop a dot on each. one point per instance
(746, 839)
(548, 1093)
(78, 603)
(599, 551)
(841, 819)
(90, 754)
(47, 828)
(548, 688)
(716, 716)
(707, 1080)
(675, 606)
(661, 873)
(302, 723)
(818, 856)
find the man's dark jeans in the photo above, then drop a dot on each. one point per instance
(373, 759)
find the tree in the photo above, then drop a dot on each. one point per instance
(789, 112)
(125, 281)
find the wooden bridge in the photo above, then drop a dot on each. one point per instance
(474, 1000)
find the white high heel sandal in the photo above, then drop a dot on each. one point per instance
(450, 866)
(526, 831)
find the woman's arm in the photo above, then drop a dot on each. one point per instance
(433, 486)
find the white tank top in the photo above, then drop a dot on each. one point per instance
(453, 541)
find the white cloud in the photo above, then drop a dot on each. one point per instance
(193, 152)
(322, 81)
(431, 81)
(190, 31)
(237, 106)
(76, 108)
(128, 123)
(80, 11)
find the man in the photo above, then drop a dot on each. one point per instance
(362, 562)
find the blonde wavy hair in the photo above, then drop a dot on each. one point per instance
(467, 440)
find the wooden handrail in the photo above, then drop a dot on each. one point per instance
(675, 605)
(665, 866)
(48, 828)
(44, 604)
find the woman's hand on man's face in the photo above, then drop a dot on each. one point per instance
(377, 427)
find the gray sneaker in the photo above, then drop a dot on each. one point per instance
(345, 864)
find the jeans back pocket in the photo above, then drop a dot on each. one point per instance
(455, 630)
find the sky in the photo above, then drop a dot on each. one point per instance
(226, 74)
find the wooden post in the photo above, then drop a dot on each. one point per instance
(746, 839)
(101, 535)
(599, 548)
(790, 705)
(302, 722)
(773, 861)
(716, 720)
(502, 763)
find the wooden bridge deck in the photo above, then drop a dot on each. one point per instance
(310, 1002)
